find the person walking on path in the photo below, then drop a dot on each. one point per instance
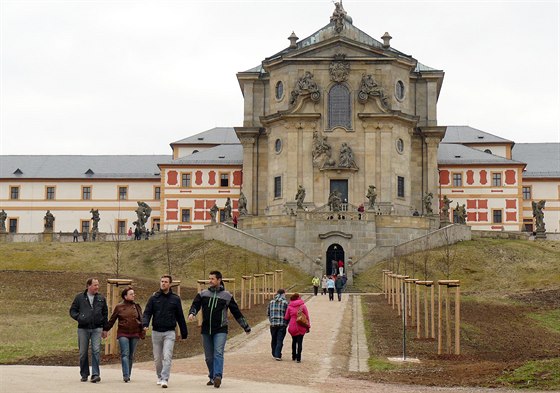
(330, 288)
(165, 310)
(129, 233)
(276, 311)
(89, 308)
(339, 284)
(130, 330)
(214, 303)
(324, 284)
(75, 236)
(315, 281)
(295, 328)
(340, 267)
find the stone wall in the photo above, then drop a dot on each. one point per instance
(501, 235)
(448, 235)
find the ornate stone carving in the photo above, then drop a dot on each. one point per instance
(346, 159)
(242, 204)
(322, 151)
(371, 196)
(306, 86)
(370, 88)
(538, 214)
(339, 68)
(300, 197)
(338, 17)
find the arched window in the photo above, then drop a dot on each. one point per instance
(340, 111)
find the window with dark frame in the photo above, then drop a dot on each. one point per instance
(13, 225)
(85, 226)
(224, 180)
(340, 110)
(526, 193)
(497, 216)
(496, 179)
(157, 193)
(185, 180)
(121, 227)
(278, 187)
(457, 180)
(86, 193)
(50, 192)
(400, 186)
(14, 192)
(123, 193)
(185, 215)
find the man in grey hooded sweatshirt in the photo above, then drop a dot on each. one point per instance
(276, 311)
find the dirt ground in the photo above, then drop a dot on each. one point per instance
(494, 338)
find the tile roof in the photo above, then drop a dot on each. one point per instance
(456, 154)
(214, 136)
(466, 134)
(76, 166)
(219, 155)
(543, 159)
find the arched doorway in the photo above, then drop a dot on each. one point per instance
(334, 252)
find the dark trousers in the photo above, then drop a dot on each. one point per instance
(324, 291)
(339, 293)
(315, 290)
(297, 347)
(277, 342)
(75, 239)
(331, 294)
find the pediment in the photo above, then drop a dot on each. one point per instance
(330, 49)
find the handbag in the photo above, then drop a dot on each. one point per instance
(139, 320)
(302, 318)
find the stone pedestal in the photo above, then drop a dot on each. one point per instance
(540, 235)
(48, 236)
(444, 222)
(349, 272)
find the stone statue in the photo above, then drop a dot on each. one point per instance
(338, 16)
(321, 151)
(213, 212)
(538, 214)
(242, 205)
(300, 197)
(428, 203)
(346, 157)
(369, 88)
(3, 217)
(49, 221)
(335, 201)
(445, 208)
(228, 209)
(143, 212)
(306, 85)
(95, 218)
(461, 213)
(371, 196)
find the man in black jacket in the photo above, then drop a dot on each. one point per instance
(89, 308)
(215, 302)
(165, 310)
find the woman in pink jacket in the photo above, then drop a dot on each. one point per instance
(296, 330)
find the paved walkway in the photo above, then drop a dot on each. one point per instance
(249, 366)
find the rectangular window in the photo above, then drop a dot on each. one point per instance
(50, 193)
(400, 186)
(526, 193)
(278, 187)
(224, 180)
(86, 193)
(85, 226)
(185, 215)
(123, 193)
(155, 224)
(157, 193)
(185, 180)
(496, 179)
(457, 180)
(121, 227)
(497, 216)
(14, 192)
(13, 225)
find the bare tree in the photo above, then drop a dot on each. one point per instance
(448, 255)
(116, 256)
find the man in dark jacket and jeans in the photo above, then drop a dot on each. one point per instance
(89, 308)
(165, 310)
(215, 302)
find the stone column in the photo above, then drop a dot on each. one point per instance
(432, 179)
(248, 143)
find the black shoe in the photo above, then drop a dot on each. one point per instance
(95, 379)
(210, 383)
(84, 379)
(298, 361)
(217, 381)
(126, 379)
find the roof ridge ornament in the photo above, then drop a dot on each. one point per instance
(339, 16)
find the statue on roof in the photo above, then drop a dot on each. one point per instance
(338, 17)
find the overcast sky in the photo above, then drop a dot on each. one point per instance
(130, 77)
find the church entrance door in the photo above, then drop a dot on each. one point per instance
(335, 252)
(342, 187)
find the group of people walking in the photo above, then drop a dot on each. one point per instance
(164, 311)
(329, 284)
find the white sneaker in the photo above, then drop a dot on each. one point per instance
(159, 381)
(164, 384)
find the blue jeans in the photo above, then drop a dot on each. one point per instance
(162, 345)
(214, 353)
(278, 333)
(85, 337)
(127, 345)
